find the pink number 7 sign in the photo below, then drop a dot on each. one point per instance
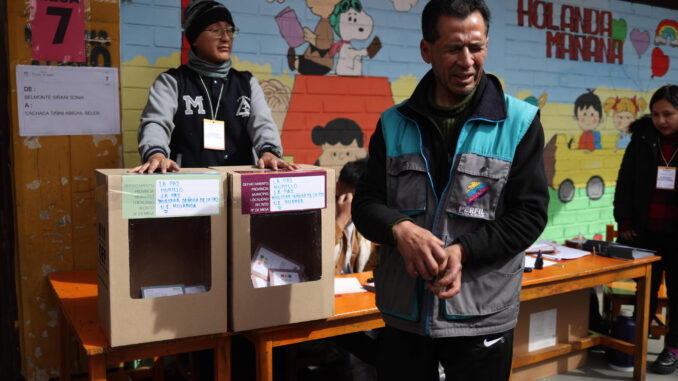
(58, 31)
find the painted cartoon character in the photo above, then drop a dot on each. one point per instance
(316, 59)
(350, 22)
(403, 5)
(624, 112)
(587, 113)
(341, 141)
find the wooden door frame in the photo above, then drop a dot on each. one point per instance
(10, 356)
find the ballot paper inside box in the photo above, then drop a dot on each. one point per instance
(162, 254)
(281, 246)
(267, 265)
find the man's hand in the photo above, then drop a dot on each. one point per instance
(156, 161)
(422, 251)
(269, 160)
(628, 234)
(449, 284)
(344, 209)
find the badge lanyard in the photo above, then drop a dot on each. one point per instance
(214, 131)
(666, 176)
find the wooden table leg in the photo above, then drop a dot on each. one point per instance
(222, 359)
(158, 368)
(97, 367)
(263, 348)
(65, 359)
(642, 323)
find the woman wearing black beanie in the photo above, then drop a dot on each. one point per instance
(205, 113)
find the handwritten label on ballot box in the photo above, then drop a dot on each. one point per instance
(153, 196)
(283, 191)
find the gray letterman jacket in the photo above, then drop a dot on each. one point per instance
(172, 121)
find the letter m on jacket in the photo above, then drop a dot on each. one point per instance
(192, 103)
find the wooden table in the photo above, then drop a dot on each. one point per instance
(352, 313)
(76, 295)
(587, 272)
(357, 312)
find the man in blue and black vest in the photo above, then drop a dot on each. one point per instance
(205, 113)
(455, 178)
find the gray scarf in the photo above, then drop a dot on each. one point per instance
(207, 69)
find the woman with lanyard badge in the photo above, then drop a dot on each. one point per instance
(205, 113)
(646, 204)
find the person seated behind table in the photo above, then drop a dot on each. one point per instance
(347, 240)
(206, 113)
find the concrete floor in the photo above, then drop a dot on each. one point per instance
(597, 368)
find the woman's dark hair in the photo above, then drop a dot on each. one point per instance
(456, 8)
(668, 92)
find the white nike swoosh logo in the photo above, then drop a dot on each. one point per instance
(490, 343)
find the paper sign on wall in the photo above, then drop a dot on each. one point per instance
(58, 31)
(153, 196)
(61, 100)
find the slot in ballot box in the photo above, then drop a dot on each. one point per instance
(281, 246)
(162, 254)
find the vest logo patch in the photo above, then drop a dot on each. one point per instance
(475, 190)
(470, 211)
(243, 107)
(193, 103)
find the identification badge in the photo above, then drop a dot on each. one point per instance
(214, 134)
(666, 178)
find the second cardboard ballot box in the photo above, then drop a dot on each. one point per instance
(162, 254)
(281, 246)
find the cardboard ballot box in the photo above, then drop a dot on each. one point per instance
(162, 254)
(281, 246)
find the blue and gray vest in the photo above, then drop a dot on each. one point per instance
(489, 297)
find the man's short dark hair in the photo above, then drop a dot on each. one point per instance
(586, 100)
(456, 8)
(352, 171)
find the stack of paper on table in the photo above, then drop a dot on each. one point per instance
(551, 250)
(347, 286)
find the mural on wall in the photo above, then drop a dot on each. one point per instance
(317, 67)
(539, 102)
(640, 40)
(403, 5)
(580, 34)
(341, 141)
(624, 112)
(350, 22)
(666, 33)
(316, 59)
(277, 97)
(346, 18)
(587, 112)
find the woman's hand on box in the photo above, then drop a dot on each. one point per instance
(269, 160)
(157, 161)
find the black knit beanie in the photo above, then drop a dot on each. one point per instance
(199, 14)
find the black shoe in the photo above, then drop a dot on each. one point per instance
(665, 362)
